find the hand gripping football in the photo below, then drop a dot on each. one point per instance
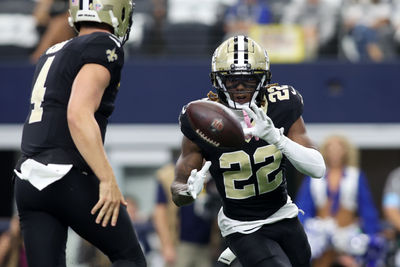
(215, 123)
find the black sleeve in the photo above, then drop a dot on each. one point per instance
(105, 50)
(285, 106)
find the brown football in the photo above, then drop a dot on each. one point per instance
(215, 123)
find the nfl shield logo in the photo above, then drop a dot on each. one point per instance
(217, 125)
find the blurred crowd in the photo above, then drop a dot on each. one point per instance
(291, 30)
(354, 30)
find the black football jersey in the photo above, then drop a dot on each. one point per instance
(46, 136)
(252, 179)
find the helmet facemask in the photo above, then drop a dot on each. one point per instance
(240, 90)
(240, 72)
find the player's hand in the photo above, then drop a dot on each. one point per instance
(169, 254)
(264, 127)
(196, 180)
(110, 198)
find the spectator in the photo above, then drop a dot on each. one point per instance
(318, 19)
(154, 42)
(396, 24)
(368, 31)
(142, 225)
(18, 32)
(244, 14)
(12, 251)
(340, 218)
(391, 210)
(166, 225)
(52, 22)
(191, 26)
(90, 256)
(185, 234)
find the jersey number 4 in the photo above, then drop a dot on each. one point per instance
(262, 155)
(38, 92)
(39, 88)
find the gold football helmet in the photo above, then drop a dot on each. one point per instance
(116, 13)
(240, 60)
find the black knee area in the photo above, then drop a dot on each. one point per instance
(132, 257)
(128, 263)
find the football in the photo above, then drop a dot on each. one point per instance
(215, 123)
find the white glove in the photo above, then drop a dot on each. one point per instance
(306, 160)
(264, 127)
(196, 180)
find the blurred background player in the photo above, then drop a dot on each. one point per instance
(186, 233)
(12, 250)
(258, 219)
(64, 178)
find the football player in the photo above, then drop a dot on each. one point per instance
(64, 177)
(258, 219)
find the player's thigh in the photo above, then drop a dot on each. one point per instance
(295, 243)
(256, 250)
(44, 234)
(119, 242)
(45, 239)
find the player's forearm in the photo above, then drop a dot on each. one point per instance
(179, 187)
(86, 135)
(306, 160)
(162, 229)
(179, 194)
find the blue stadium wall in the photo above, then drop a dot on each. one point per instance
(153, 91)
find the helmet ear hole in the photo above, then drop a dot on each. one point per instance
(123, 14)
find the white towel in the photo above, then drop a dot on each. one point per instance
(40, 175)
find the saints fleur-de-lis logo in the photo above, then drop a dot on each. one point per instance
(111, 56)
